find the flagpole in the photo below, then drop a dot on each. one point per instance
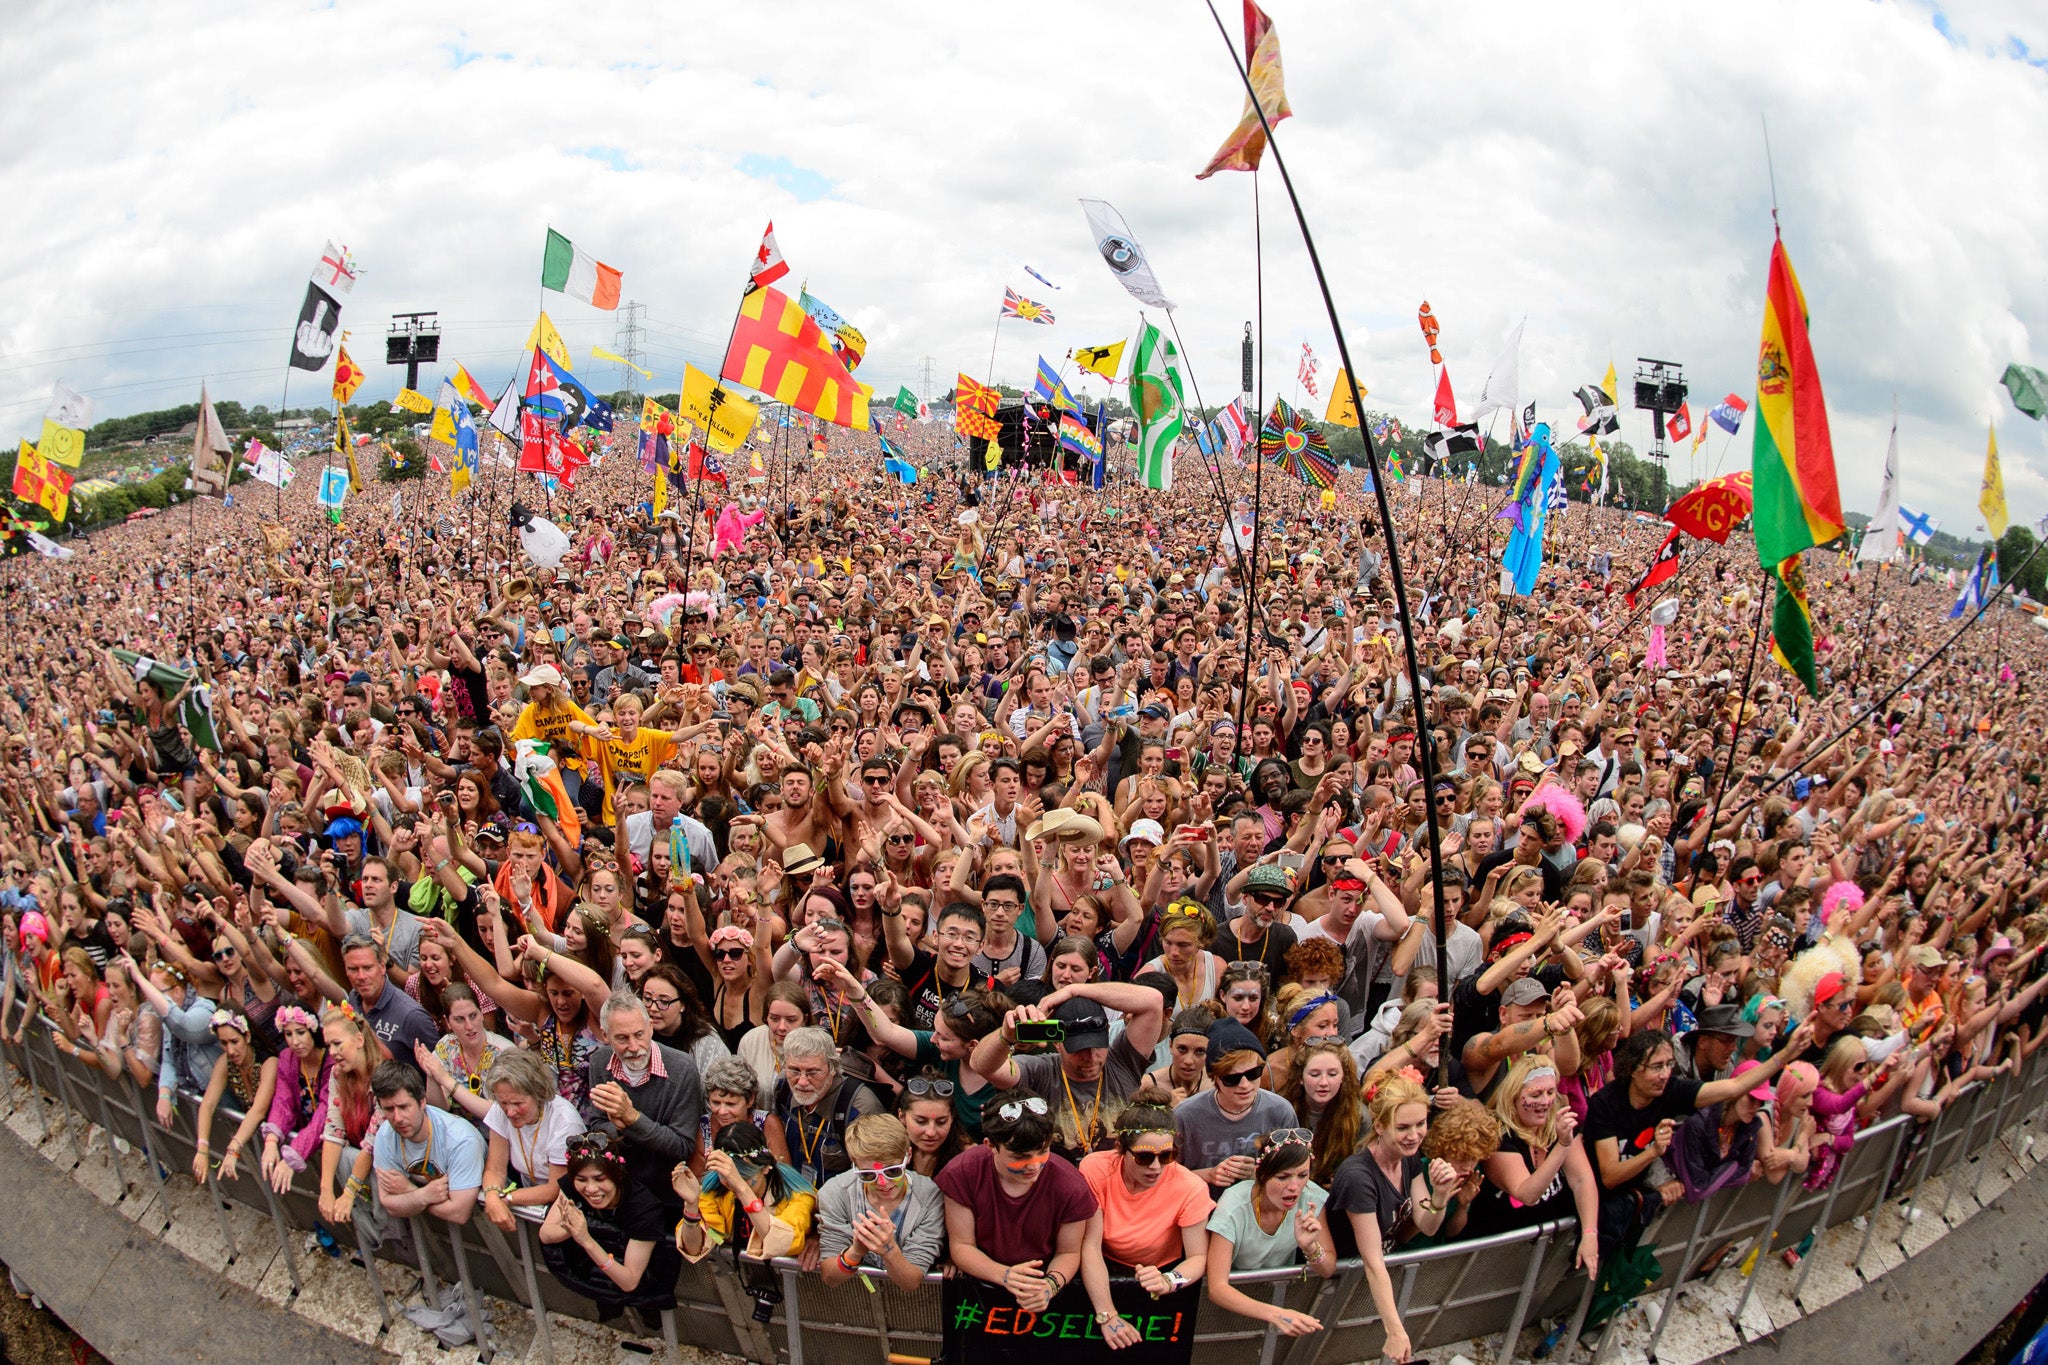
(1213, 471)
(1426, 749)
(1251, 579)
(283, 412)
(1756, 636)
(993, 338)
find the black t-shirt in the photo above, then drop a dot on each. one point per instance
(928, 994)
(1609, 1114)
(1123, 966)
(1362, 1187)
(1270, 948)
(1553, 880)
(1494, 1211)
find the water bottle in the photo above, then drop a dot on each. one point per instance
(679, 851)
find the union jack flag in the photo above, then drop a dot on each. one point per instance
(1015, 305)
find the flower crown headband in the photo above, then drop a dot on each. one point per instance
(1406, 1073)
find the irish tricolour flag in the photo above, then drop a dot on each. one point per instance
(573, 271)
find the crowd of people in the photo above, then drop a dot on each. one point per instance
(1003, 874)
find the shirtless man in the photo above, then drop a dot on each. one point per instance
(804, 819)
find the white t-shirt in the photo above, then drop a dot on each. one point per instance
(537, 1148)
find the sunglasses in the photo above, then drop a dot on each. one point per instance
(223, 954)
(1281, 1136)
(919, 1085)
(1015, 1109)
(1164, 1158)
(1236, 1078)
(728, 954)
(892, 1173)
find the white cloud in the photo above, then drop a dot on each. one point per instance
(1597, 169)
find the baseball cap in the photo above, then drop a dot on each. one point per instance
(1523, 991)
(1828, 987)
(1087, 1025)
(1925, 956)
(1269, 879)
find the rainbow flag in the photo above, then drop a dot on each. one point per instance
(1798, 504)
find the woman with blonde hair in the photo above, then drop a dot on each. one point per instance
(1307, 1015)
(1389, 1193)
(352, 1115)
(1541, 1170)
(1321, 1082)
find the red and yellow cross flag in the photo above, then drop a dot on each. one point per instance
(780, 350)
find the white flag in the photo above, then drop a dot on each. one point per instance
(336, 271)
(1122, 254)
(270, 467)
(48, 548)
(69, 408)
(505, 416)
(1881, 537)
(1503, 381)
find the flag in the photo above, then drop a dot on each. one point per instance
(568, 269)
(1342, 411)
(600, 353)
(346, 444)
(1446, 401)
(1305, 370)
(445, 403)
(1102, 360)
(1727, 413)
(896, 464)
(1792, 621)
(1076, 437)
(847, 342)
(2027, 385)
(1291, 443)
(348, 376)
(61, 445)
(540, 781)
(727, 418)
(701, 464)
(313, 337)
(768, 265)
(544, 335)
(540, 445)
(1236, 424)
(1991, 495)
(1122, 254)
(1246, 144)
(412, 400)
(1663, 566)
(1430, 331)
(974, 409)
(906, 402)
(1015, 305)
(268, 466)
(1919, 527)
(1442, 445)
(1881, 536)
(1601, 417)
(69, 408)
(211, 449)
(1699, 432)
(553, 392)
(1680, 425)
(333, 487)
(780, 350)
(48, 548)
(1522, 563)
(335, 271)
(505, 412)
(194, 700)
(466, 443)
(1798, 503)
(1971, 598)
(1156, 394)
(467, 386)
(1052, 389)
(1503, 380)
(39, 483)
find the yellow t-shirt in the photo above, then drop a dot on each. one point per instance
(553, 725)
(639, 756)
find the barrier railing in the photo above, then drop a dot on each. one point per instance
(1447, 1293)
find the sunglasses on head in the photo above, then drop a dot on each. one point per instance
(1280, 1137)
(1013, 1110)
(920, 1085)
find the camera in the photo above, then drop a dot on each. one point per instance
(1041, 1031)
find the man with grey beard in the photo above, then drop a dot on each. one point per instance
(649, 1097)
(813, 1105)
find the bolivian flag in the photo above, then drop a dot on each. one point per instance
(1792, 623)
(1798, 504)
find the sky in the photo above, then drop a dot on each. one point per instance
(1596, 171)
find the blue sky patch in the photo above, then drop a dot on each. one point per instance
(803, 184)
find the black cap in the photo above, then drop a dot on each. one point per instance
(1087, 1025)
(1227, 1036)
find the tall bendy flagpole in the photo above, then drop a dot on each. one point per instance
(1412, 663)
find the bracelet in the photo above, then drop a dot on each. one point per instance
(354, 1186)
(203, 1145)
(850, 1267)
(691, 1215)
(1057, 1280)
(752, 1208)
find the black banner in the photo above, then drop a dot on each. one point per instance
(984, 1325)
(313, 338)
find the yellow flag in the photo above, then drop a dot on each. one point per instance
(412, 400)
(1342, 411)
(660, 491)
(1102, 360)
(724, 429)
(61, 445)
(1607, 384)
(458, 479)
(600, 353)
(1991, 498)
(548, 339)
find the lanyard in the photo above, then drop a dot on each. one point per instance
(1087, 1136)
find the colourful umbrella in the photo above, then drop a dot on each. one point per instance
(1710, 511)
(1290, 442)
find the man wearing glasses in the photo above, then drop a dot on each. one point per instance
(1746, 909)
(1220, 1128)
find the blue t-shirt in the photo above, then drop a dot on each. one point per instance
(452, 1147)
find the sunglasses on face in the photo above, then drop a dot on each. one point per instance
(728, 954)
(223, 954)
(1234, 1079)
(1164, 1158)
(892, 1173)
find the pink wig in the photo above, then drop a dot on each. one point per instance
(1561, 804)
(1840, 896)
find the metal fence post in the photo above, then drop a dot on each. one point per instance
(284, 1232)
(793, 1316)
(1912, 1200)
(540, 1308)
(1692, 1244)
(1764, 1240)
(1876, 1206)
(2011, 1094)
(1509, 1339)
(1963, 1152)
(73, 1116)
(472, 1305)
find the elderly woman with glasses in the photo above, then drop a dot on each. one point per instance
(1151, 1220)
(881, 1214)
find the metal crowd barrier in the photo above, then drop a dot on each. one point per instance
(1470, 1289)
